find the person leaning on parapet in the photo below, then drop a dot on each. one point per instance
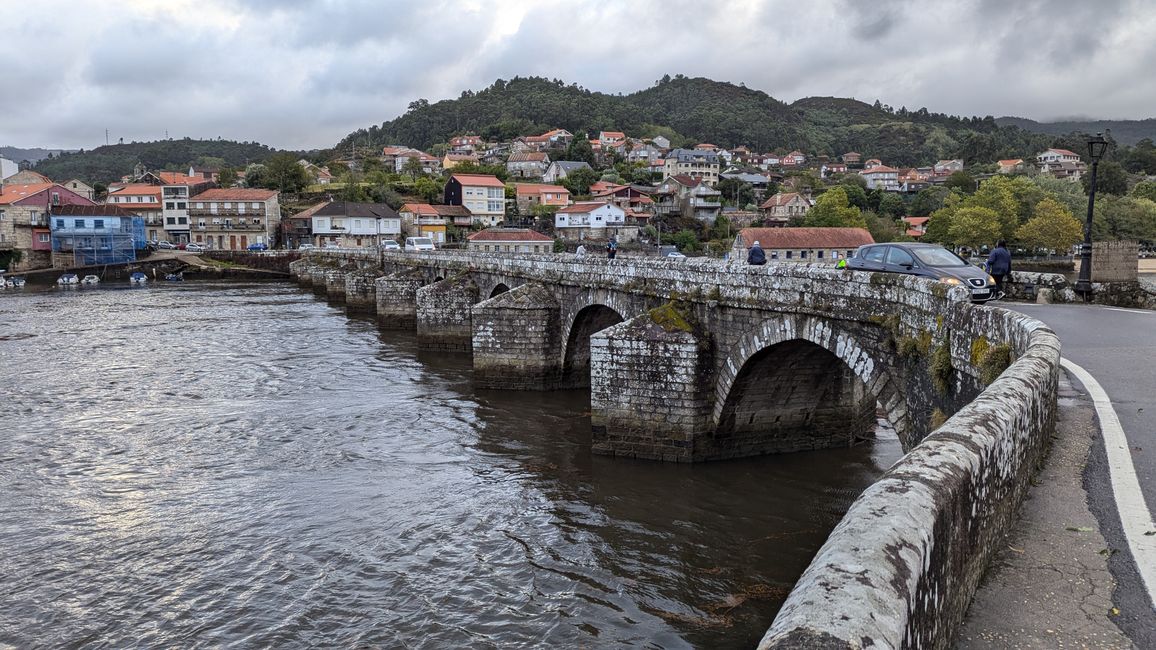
(999, 266)
(581, 251)
(756, 256)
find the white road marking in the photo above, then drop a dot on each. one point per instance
(1135, 517)
(1130, 311)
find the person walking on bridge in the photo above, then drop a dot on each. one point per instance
(612, 247)
(756, 256)
(999, 266)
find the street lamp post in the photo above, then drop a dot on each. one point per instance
(1096, 146)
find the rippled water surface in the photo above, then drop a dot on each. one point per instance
(204, 465)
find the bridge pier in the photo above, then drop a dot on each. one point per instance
(443, 314)
(335, 282)
(396, 297)
(649, 390)
(317, 279)
(361, 291)
(517, 340)
(296, 267)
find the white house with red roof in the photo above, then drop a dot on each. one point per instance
(509, 240)
(482, 194)
(589, 220)
(533, 194)
(881, 177)
(465, 143)
(1010, 166)
(916, 226)
(793, 159)
(1057, 156)
(234, 218)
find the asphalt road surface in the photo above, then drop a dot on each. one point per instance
(1118, 348)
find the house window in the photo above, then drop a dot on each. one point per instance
(172, 221)
(182, 220)
(59, 224)
(200, 205)
(43, 237)
(78, 223)
(181, 205)
(789, 254)
(170, 205)
(255, 206)
(228, 205)
(98, 223)
(820, 254)
(803, 255)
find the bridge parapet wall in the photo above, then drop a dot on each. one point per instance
(901, 567)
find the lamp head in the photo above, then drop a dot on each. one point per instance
(1097, 145)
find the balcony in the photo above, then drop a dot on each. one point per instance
(244, 227)
(232, 212)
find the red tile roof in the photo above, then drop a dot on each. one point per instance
(421, 209)
(799, 238)
(508, 234)
(222, 194)
(916, 221)
(13, 193)
(137, 189)
(475, 180)
(612, 135)
(1064, 152)
(583, 207)
(103, 210)
(780, 199)
(530, 189)
(880, 169)
(529, 156)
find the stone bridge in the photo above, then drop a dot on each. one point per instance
(691, 360)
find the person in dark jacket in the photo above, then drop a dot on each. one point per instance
(999, 265)
(756, 256)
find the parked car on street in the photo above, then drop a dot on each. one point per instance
(259, 246)
(166, 245)
(418, 244)
(305, 247)
(390, 245)
(193, 247)
(925, 260)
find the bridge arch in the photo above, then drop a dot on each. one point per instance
(499, 289)
(803, 371)
(576, 354)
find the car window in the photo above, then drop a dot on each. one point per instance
(935, 256)
(898, 256)
(874, 254)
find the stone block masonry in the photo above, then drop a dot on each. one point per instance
(516, 340)
(443, 314)
(396, 296)
(361, 292)
(318, 276)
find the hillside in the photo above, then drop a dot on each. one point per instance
(110, 162)
(16, 154)
(1126, 132)
(701, 110)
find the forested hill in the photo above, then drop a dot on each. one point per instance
(1127, 132)
(693, 110)
(110, 162)
(17, 154)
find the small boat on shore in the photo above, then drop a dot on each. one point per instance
(90, 280)
(138, 278)
(175, 277)
(15, 282)
(68, 279)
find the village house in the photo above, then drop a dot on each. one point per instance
(559, 169)
(881, 177)
(26, 177)
(591, 220)
(465, 144)
(345, 224)
(793, 159)
(233, 218)
(611, 139)
(483, 195)
(852, 158)
(422, 220)
(529, 195)
(627, 197)
(1011, 166)
(81, 188)
(660, 141)
(819, 245)
(531, 164)
(1057, 156)
(24, 224)
(144, 199)
(429, 164)
(703, 165)
(458, 216)
(872, 163)
(85, 235)
(319, 175)
(781, 207)
(828, 169)
(916, 226)
(643, 153)
(452, 160)
(1062, 164)
(947, 167)
(174, 219)
(297, 229)
(509, 240)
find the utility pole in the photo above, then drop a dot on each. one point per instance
(106, 136)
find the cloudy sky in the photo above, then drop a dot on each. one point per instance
(304, 73)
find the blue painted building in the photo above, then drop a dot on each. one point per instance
(83, 235)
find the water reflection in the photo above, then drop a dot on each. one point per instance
(228, 464)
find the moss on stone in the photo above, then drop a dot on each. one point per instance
(714, 293)
(942, 372)
(936, 420)
(994, 361)
(673, 316)
(979, 348)
(939, 289)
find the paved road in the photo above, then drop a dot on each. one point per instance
(1118, 348)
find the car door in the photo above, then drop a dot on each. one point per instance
(899, 260)
(871, 258)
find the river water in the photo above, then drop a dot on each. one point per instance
(208, 465)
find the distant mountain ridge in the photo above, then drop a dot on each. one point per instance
(110, 162)
(1127, 132)
(18, 155)
(691, 110)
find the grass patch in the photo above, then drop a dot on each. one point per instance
(672, 317)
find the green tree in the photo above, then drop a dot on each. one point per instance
(722, 228)
(995, 195)
(412, 167)
(928, 200)
(883, 228)
(1110, 179)
(856, 194)
(832, 210)
(975, 226)
(580, 180)
(227, 176)
(283, 173)
(892, 205)
(736, 192)
(685, 240)
(1145, 190)
(1052, 226)
(428, 189)
(939, 226)
(580, 151)
(961, 181)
